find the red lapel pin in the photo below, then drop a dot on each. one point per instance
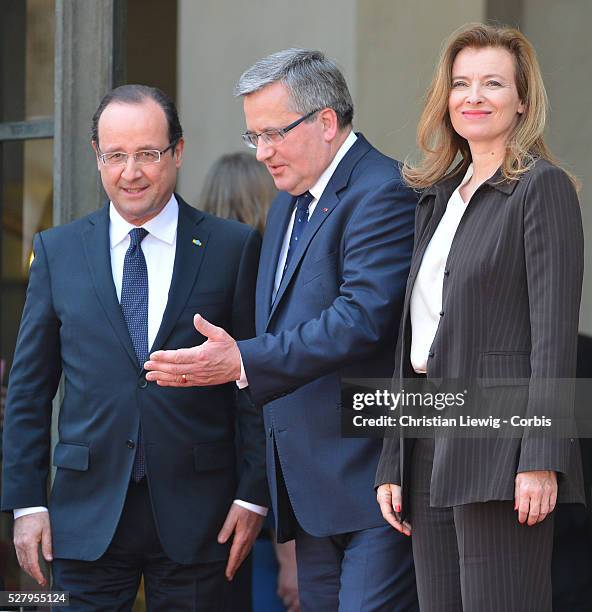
(325, 210)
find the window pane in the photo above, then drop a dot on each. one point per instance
(25, 208)
(149, 63)
(27, 59)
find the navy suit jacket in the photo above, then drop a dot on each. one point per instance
(73, 324)
(335, 315)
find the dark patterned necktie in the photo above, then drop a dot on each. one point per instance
(134, 304)
(300, 222)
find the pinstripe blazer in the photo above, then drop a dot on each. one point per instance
(511, 298)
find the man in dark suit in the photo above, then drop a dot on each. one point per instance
(146, 477)
(331, 281)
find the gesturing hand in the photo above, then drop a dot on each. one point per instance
(29, 531)
(215, 362)
(535, 495)
(244, 525)
(389, 499)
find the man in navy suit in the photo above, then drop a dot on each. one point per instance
(146, 481)
(331, 281)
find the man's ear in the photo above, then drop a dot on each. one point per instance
(178, 152)
(95, 147)
(329, 122)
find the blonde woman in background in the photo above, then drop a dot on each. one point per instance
(238, 187)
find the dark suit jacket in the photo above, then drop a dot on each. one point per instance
(511, 299)
(73, 324)
(335, 315)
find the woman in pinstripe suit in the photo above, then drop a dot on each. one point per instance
(493, 293)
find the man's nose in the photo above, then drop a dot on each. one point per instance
(264, 151)
(131, 168)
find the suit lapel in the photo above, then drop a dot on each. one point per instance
(189, 256)
(442, 192)
(276, 231)
(327, 202)
(97, 249)
(323, 209)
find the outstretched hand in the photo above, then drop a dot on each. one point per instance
(215, 362)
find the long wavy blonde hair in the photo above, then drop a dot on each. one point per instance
(437, 139)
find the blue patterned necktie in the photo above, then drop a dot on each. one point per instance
(134, 304)
(300, 223)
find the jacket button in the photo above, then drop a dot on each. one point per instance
(270, 432)
(431, 354)
(447, 272)
(142, 383)
(130, 444)
(441, 313)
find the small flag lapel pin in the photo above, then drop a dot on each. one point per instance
(325, 210)
(197, 242)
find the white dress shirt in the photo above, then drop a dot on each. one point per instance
(426, 297)
(316, 191)
(159, 248)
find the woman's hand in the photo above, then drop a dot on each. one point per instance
(535, 495)
(388, 497)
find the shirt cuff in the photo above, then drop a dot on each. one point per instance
(242, 382)
(262, 510)
(18, 512)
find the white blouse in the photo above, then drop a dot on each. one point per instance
(426, 298)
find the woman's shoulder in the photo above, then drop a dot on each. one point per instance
(544, 169)
(547, 187)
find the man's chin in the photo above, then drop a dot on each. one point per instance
(284, 184)
(137, 212)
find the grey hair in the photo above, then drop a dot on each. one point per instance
(313, 82)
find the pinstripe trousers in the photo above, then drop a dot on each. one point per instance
(476, 557)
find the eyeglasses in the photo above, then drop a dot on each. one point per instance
(119, 158)
(274, 136)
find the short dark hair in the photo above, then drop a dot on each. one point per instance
(136, 94)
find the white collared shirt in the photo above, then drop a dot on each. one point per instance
(159, 251)
(426, 297)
